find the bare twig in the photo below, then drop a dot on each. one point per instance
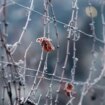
(41, 60)
(49, 92)
(70, 32)
(58, 21)
(92, 69)
(16, 44)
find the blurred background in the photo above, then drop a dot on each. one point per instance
(16, 18)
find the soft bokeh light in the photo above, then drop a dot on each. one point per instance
(91, 11)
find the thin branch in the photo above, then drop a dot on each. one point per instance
(56, 78)
(92, 69)
(41, 59)
(39, 99)
(25, 56)
(49, 92)
(70, 32)
(65, 24)
(16, 44)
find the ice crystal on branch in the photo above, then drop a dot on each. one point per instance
(68, 68)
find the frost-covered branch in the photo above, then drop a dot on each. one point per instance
(41, 59)
(93, 51)
(60, 22)
(70, 32)
(16, 44)
(49, 92)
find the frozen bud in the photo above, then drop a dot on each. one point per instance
(46, 44)
(68, 88)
